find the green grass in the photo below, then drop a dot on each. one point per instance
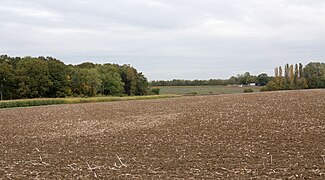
(184, 90)
(42, 102)
(29, 102)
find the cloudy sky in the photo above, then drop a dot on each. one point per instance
(166, 39)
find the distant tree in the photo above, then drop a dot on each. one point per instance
(301, 73)
(286, 72)
(128, 75)
(291, 77)
(155, 91)
(141, 85)
(85, 82)
(279, 80)
(245, 78)
(315, 74)
(262, 79)
(232, 80)
(3, 58)
(296, 75)
(86, 65)
(7, 81)
(286, 76)
(280, 71)
(58, 74)
(111, 80)
(276, 72)
(302, 83)
(33, 78)
(13, 61)
(291, 73)
(271, 86)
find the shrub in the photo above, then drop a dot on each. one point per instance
(155, 91)
(192, 93)
(263, 89)
(249, 90)
(272, 86)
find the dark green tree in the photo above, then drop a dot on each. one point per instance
(85, 82)
(7, 81)
(111, 80)
(262, 79)
(301, 70)
(33, 78)
(86, 65)
(315, 74)
(142, 85)
(286, 83)
(59, 77)
(296, 75)
(246, 78)
(128, 75)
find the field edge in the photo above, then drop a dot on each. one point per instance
(56, 101)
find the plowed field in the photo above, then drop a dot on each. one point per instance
(278, 135)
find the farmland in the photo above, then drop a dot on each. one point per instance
(183, 90)
(269, 135)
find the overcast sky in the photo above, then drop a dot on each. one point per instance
(167, 39)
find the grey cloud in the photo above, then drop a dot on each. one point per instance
(168, 38)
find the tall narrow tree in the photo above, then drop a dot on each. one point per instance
(291, 73)
(280, 78)
(301, 73)
(291, 77)
(296, 76)
(276, 72)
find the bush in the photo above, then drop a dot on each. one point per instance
(263, 89)
(27, 103)
(272, 86)
(192, 93)
(155, 91)
(249, 90)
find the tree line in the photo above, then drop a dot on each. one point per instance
(298, 77)
(289, 77)
(47, 77)
(244, 79)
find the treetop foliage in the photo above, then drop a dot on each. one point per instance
(31, 77)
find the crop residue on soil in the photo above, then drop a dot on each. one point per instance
(265, 135)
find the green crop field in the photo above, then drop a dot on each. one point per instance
(183, 90)
(52, 101)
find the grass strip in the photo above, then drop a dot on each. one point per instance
(44, 102)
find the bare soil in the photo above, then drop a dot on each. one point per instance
(276, 135)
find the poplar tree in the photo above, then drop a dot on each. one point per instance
(296, 76)
(280, 78)
(301, 73)
(276, 72)
(291, 77)
(286, 76)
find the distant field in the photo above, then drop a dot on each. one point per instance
(182, 90)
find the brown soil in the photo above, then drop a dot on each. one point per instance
(278, 135)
